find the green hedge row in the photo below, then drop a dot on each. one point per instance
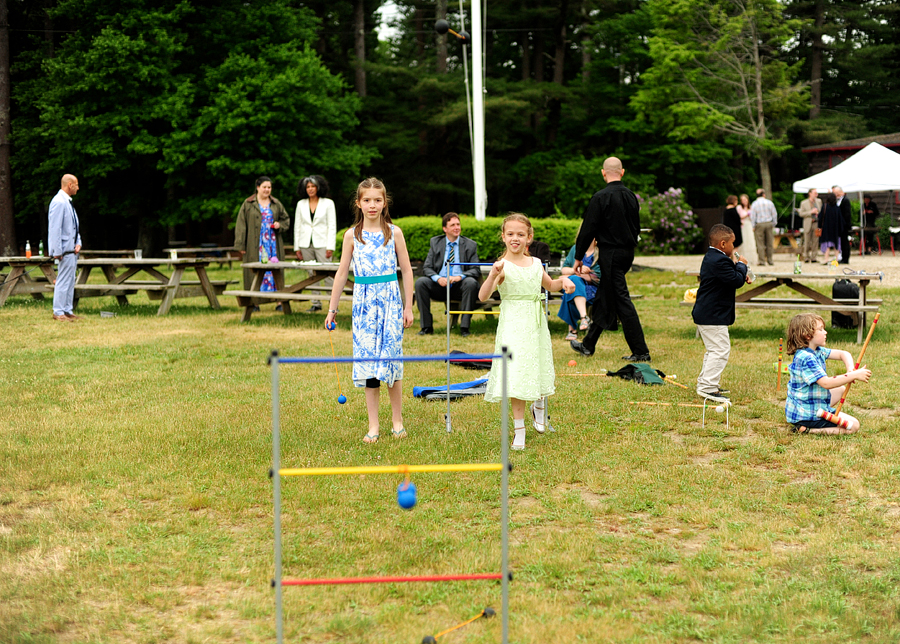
(559, 234)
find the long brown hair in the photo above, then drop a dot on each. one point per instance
(515, 216)
(376, 184)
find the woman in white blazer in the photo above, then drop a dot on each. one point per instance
(315, 226)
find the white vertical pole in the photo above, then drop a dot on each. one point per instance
(478, 112)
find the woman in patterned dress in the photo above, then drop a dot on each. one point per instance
(260, 222)
(376, 248)
(522, 327)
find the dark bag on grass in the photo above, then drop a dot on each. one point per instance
(847, 290)
(643, 374)
(458, 359)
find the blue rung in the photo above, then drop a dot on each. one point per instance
(485, 356)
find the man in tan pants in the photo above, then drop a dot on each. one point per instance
(809, 211)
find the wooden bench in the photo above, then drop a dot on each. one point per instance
(249, 299)
(154, 289)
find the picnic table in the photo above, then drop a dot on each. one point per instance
(308, 287)
(16, 279)
(160, 287)
(221, 254)
(811, 300)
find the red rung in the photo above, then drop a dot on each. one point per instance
(386, 580)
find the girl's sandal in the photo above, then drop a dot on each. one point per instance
(370, 438)
(584, 323)
(398, 433)
(572, 336)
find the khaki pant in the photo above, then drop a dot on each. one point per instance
(312, 254)
(765, 242)
(718, 348)
(810, 250)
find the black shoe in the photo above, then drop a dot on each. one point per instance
(464, 331)
(280, 308)
(580, 348)
(722, 392)
(641, 358)
(255, 308)
(426, 331)
(315, 308)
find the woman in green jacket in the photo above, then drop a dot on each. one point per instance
(260, 223)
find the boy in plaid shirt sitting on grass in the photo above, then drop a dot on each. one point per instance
(810, 387)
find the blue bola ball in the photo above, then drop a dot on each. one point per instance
(406, 495)
(331, 326)
(342, 399)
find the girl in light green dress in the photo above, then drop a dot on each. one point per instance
(522, 327)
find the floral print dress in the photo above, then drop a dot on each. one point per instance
(377, 311)
(268, 244)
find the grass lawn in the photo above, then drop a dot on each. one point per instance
(135, 504)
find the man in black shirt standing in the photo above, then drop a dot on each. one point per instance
(613, 219)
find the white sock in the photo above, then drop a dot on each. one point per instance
(519, 439)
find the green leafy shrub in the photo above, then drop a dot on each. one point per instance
(674, 229)
(559, 234)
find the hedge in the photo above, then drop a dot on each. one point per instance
(559, 234)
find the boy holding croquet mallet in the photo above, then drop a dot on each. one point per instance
(810, 388)
(720, 277)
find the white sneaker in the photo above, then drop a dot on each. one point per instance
(519, 440)
(538, 416)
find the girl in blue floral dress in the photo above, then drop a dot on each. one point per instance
(376, 248)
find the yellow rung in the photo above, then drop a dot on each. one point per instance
(473, 312)
(391, 469)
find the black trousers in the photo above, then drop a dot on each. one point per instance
(613, 302)
(845, 243)
(465, 291)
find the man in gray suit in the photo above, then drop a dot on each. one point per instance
(64, 246)
(464, 280)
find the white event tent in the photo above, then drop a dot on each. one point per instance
(873, 169)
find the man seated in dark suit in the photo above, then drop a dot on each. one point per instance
(464, 280)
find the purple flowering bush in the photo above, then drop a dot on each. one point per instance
(674, 229)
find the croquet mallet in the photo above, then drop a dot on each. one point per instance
(778, 382)
(826, 415)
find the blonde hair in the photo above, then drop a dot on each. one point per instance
(516, 216)
(372, 184)
(801, 330)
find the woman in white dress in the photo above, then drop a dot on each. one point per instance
(748, 248)
(315, 226)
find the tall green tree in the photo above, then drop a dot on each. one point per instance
(718, 68)
(167, 113)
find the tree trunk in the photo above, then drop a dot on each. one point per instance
(526, 58)
(585, 58)
(818, 54)
(440, 41)
(359, 46)
(764, 172)
(7, 227)
(559, 60)
(760, 120)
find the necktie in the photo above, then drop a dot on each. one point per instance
(451, 257)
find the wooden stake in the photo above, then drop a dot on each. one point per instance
(778, 382)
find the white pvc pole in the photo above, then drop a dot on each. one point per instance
(478, 113)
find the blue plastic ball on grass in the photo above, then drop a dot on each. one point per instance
(342, 399)
(331, 326)
(406, 495)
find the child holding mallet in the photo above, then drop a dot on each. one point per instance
(720, 277)
(810, 387)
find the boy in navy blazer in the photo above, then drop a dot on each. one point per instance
(720, 277)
